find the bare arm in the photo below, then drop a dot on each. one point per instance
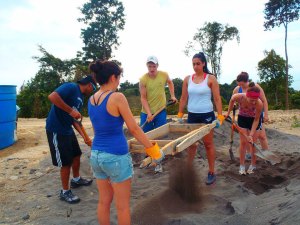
(134, 129)
(216, 94)
(184, 95)
(171, 88)
(233, 99)
(55, 98)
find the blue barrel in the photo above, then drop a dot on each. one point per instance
(8, 98)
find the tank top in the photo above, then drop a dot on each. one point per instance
(109, 136)
(199, 100)
(247, 112)
(240, 90)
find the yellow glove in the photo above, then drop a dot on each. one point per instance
(155, 152)
(221, 118)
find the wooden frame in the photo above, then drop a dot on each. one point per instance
(188, 135)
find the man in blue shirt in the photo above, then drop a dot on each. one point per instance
(67, 101)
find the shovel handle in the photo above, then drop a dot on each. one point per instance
(170, 102)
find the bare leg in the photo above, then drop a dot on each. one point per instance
(64, 176)
(243, 146)
(76, 166)
(210, 150)
(105, 199)
(122, 201)
(263, 138)
(191, 154)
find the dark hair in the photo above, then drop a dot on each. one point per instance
(242, 77)
(253, 88)
(202, 57)
(103, 70)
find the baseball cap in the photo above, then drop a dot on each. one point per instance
(86, 80)
(152, 59)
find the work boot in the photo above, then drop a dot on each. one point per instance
(80, 182)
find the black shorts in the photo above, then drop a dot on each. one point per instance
(63, 148)
(246, 122)
(201, 117)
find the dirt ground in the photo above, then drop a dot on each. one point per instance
(29, 184)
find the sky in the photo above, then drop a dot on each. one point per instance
(157, 27)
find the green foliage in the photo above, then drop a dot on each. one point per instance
(279, 12)
(295, 99)
(212, 37)
(226, 92)
(33, 98)
(103, 19)
(296, 122)
(177, 87)
(271, 71)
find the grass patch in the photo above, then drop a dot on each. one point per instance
(296, 122)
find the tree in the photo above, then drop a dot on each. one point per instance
(104, 18)
(271, 71)
(212, 37)
(53, 71)
(279, 12)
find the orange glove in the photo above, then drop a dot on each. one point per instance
(221, 118)
(180, 115)
(155, 152)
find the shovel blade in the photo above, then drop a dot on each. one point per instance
(267, 155)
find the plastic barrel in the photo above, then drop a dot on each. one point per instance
(8, 98)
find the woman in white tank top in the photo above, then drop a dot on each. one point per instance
(197, 90)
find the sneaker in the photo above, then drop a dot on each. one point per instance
(211, 178)
(251, 169)
(69, 197)
(248, 156)
(242, 170)
(80, 182)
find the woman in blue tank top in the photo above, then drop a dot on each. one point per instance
(110, 159)
(197, 90)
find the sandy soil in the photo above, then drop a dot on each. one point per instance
(29, 184)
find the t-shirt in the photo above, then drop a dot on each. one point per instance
(58, 120)
(155, 88)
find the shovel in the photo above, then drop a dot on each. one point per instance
(231, 135)
(264, 154)
(170, 102)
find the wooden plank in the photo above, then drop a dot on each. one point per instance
(159, 142)
(187, 127)
(200, 133)
(153, 134)
(136, 146)
(168, 149)
(138, 151)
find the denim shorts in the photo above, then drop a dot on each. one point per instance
(117, 168)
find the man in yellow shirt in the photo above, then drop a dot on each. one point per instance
(153, 96)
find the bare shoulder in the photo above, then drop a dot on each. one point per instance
(118, 96)
(212, 77)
